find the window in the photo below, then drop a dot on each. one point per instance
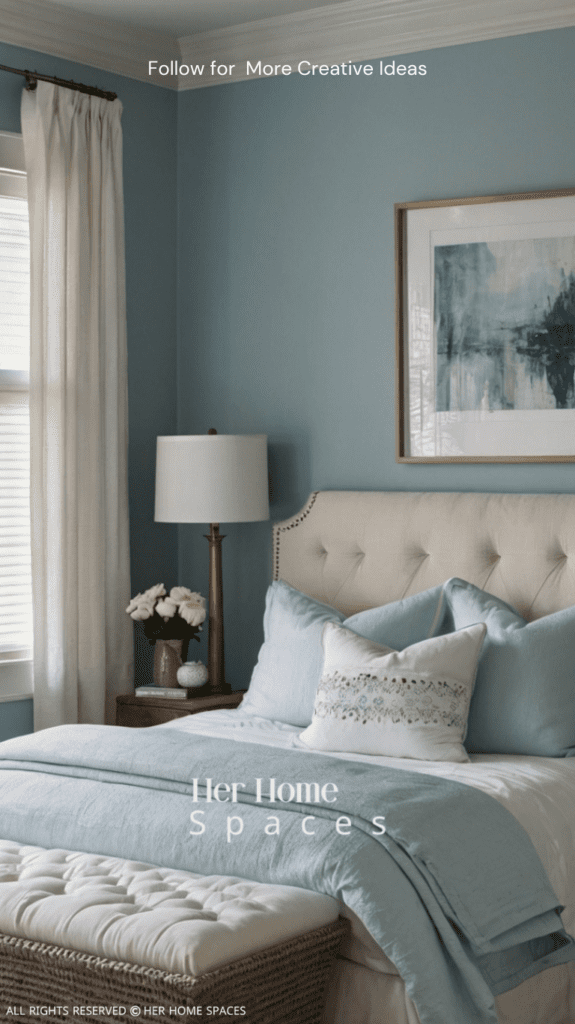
(15, 581)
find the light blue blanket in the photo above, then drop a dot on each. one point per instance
(452, 891)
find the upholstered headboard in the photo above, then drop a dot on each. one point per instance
(359, 549)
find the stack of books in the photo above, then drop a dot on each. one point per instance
(178, 692)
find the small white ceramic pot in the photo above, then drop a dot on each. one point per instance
(192, 673)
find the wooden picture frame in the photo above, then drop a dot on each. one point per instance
(485, 328)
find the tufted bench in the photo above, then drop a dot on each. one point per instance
(106, 934)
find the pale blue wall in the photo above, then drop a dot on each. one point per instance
(16, 718)
(286, 267)
(149, 131)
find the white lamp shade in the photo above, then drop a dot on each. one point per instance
(212, 478)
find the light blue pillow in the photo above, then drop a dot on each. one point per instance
(524, 697)
(288, 670)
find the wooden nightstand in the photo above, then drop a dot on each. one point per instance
(141, 711)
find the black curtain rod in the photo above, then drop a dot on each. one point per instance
(32, 78)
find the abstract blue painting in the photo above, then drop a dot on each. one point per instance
(504, 324)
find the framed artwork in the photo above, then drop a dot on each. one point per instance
(486, 329)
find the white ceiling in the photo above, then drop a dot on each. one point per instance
(188, 17)
(137, 38)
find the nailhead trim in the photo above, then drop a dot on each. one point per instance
(291, 525)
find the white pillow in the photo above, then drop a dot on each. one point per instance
(410, 703)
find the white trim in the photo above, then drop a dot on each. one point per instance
(98, 42)
(360, 30)
(12, 153)
(16, 667)
(12, 166)
(13, 183)
(355, 30)
(16, 679)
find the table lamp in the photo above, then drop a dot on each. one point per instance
(212, 478)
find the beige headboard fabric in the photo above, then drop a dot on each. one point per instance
(360, 549)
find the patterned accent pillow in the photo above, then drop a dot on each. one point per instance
(410, 703)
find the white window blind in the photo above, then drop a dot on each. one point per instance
(15, 583)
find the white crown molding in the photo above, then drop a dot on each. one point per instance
(358, 30)
(355, 30)
(98, 42)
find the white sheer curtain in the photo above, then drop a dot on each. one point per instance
(78, 406)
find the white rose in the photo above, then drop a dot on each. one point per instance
(158, 591)
(192, 612)
(134, 603)
(180, 594)
(166, 608)
(144, 610)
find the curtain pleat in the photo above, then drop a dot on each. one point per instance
(78, 406)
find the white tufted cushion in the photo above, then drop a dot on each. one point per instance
(157, 917)
(359, 549)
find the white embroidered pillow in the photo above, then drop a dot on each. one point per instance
(410, 703)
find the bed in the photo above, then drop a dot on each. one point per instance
(354, 551)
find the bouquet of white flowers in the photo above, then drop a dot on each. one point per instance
(174, 616)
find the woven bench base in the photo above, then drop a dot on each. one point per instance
(283, 984)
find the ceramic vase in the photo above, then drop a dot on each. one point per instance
(167, 660)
